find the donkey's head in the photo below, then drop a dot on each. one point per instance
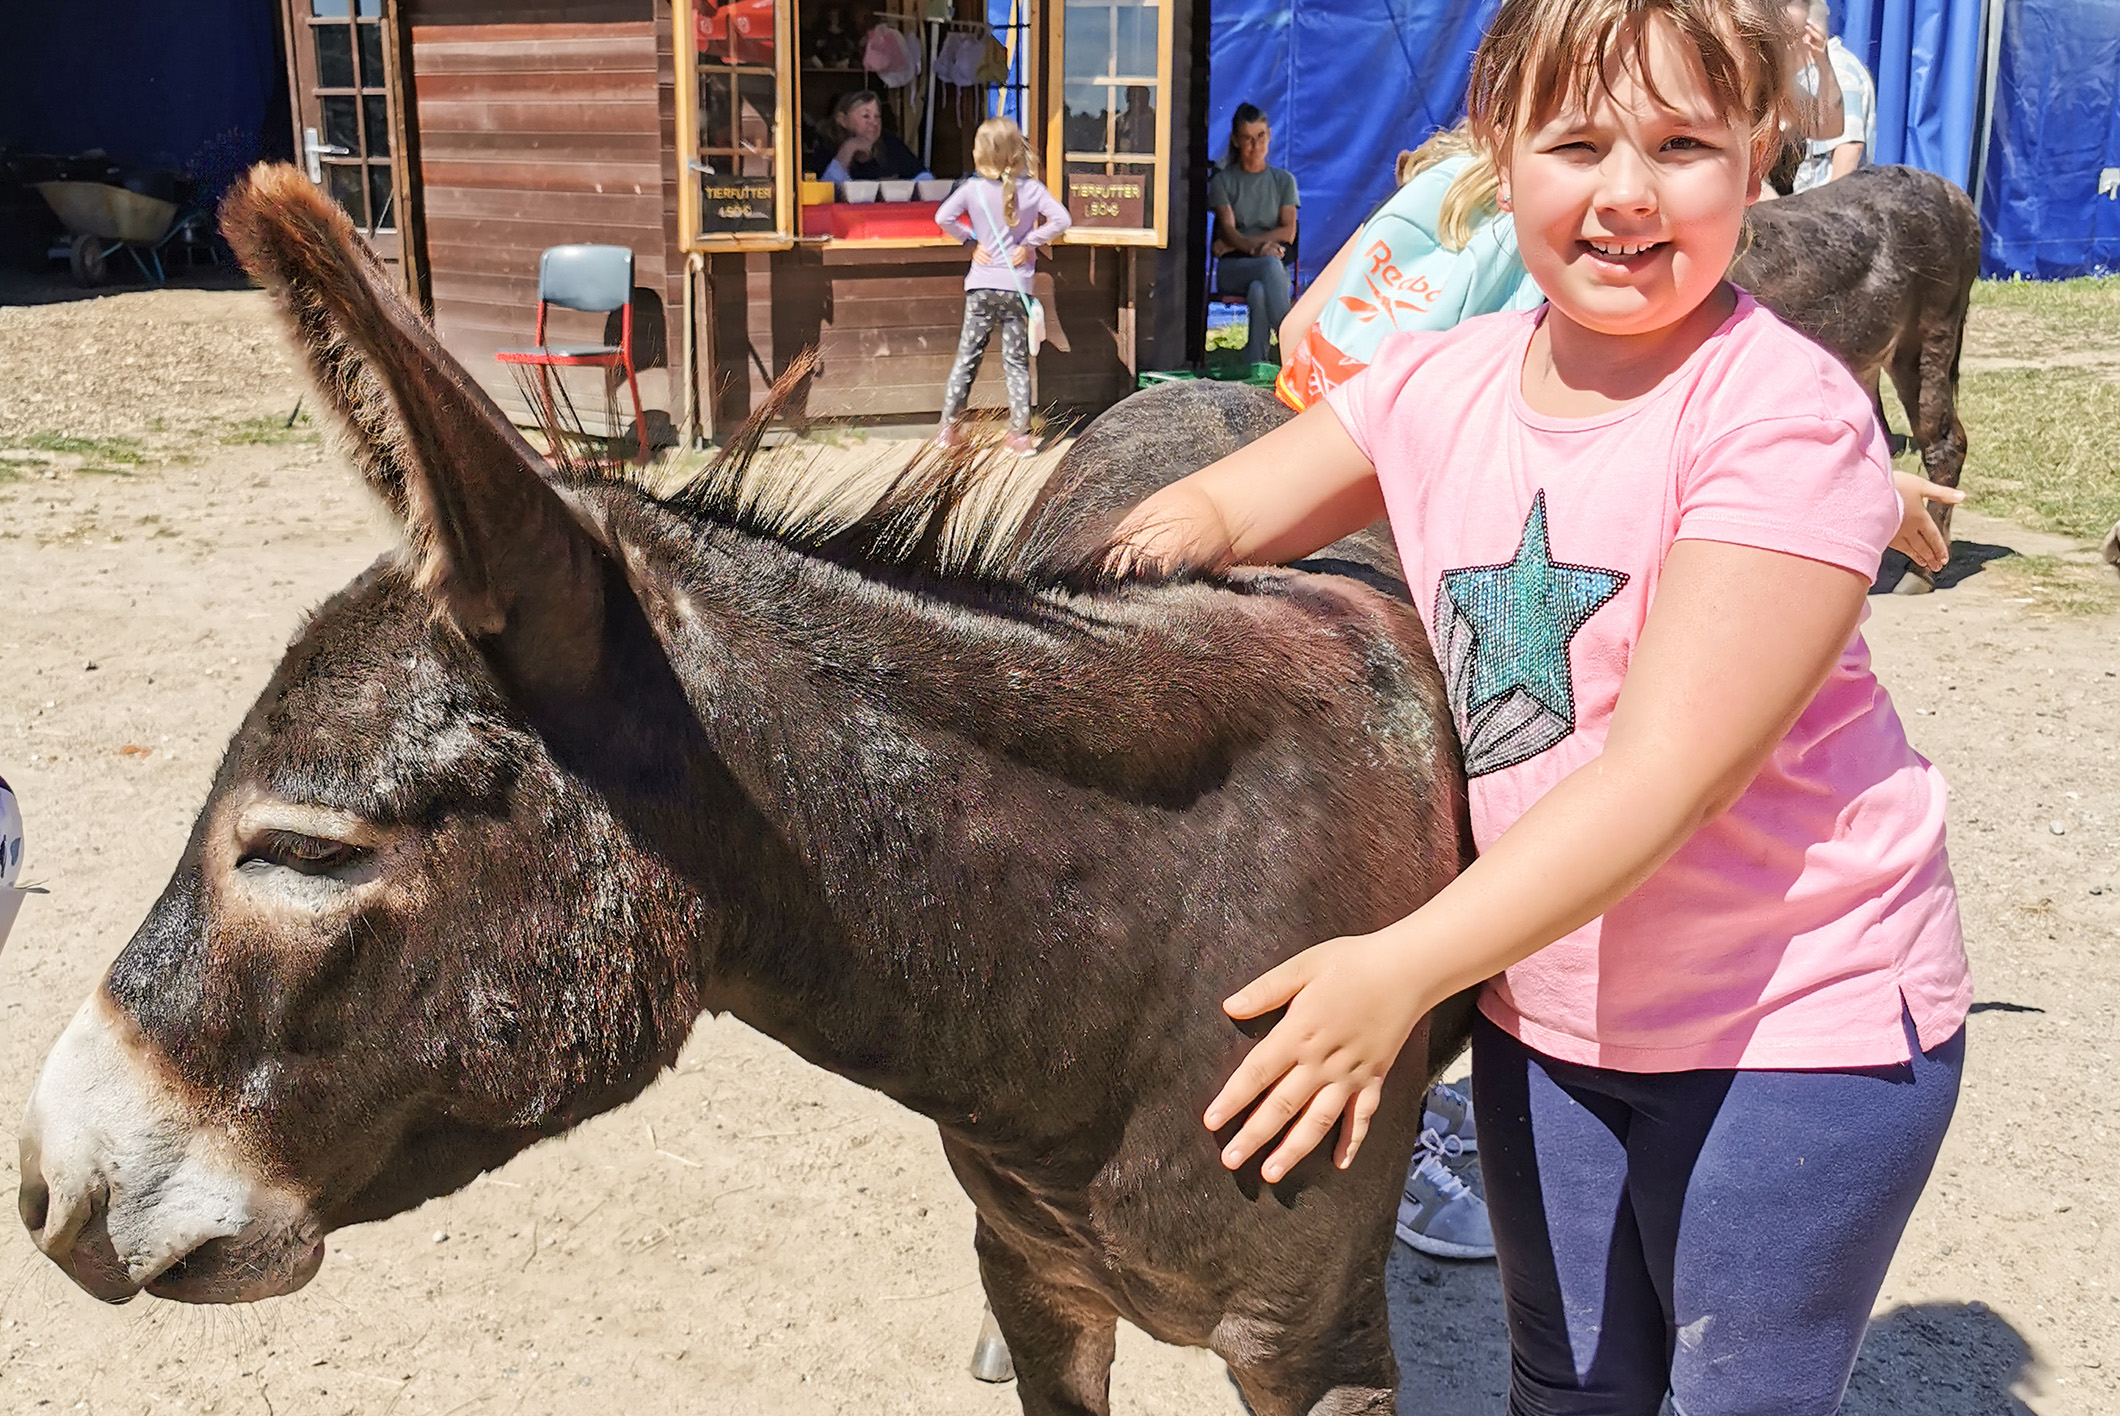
(416, 926)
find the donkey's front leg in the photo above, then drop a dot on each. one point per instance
(1060, 1336)
(1348, 1370)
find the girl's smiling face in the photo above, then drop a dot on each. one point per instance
(1629, 208)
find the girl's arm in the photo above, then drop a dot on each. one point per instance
(1832, 117)
(953, 215)
(1306, 311)
(1816, 114)
(1053, 218)
(1737, 642)
(1292, 492)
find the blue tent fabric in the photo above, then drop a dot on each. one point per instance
(1348, 84)
(2056, 130)
(188, 86)
(1925, 56)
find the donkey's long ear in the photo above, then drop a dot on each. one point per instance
(499, 553)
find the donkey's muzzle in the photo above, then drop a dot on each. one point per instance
(125, 1189)
(74, 1233)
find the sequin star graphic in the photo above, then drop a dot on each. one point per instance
(1503, 633)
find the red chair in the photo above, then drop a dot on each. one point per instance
(598, 280)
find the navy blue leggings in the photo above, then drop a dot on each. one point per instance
(1720, 1234)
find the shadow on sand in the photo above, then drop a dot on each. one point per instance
(1446, 1326)
(1942, 1359)
(23, 287)
(1968, 559)
(1933, 1359)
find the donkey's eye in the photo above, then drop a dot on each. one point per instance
(311, 855)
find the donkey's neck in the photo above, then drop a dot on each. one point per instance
(938, 769)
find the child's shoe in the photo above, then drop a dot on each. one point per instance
(1447, 1111)
(947, 435)
(1438, 1214)
(1022, 444)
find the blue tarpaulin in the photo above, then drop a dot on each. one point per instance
(1925, 57)
(2054, 136)
(187, 86)
(1348, 84)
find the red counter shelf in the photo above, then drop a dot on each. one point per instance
(873, 221)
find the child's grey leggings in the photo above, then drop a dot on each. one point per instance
(983, 309)
(1720, 1234)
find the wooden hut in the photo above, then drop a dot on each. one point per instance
(466, 136)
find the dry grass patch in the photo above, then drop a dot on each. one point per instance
(2056, 585)
(2032, 319)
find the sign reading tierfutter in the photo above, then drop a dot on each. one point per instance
(735, 204)
(1097, 200)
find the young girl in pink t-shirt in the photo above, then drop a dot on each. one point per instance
(1723, 1024)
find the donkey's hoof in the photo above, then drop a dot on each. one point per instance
(990, 1359)
(1914, 582)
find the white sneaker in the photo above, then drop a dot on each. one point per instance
(1437, 1214)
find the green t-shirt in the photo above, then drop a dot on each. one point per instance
(1254, 198)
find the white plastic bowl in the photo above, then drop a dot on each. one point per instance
(858, 191)
(935, 189)
(897, 191)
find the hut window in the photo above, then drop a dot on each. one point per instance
(740, 173)
(1108, 119)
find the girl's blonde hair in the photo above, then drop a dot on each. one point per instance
(1474, 194)
(1540, 55)
(1000, 154)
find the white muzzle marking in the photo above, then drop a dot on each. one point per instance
(117, 1154)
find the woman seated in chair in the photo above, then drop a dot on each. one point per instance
(856, 147)
(1255, 227)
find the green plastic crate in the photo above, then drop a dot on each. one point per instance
(1221, 370)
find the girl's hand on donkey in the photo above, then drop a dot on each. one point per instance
(1176, 527)
(1918, 539)
(1351, 1004)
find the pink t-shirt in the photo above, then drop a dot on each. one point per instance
(1790, 931)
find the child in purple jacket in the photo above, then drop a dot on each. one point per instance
(1008, 216)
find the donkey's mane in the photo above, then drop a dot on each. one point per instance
(942, 516)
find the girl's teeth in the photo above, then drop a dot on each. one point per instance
(1612, 250)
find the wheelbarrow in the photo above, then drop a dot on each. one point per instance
(104, 220)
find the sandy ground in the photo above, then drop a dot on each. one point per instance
(756, 1235)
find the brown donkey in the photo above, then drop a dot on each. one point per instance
(982, 831)
(1879, 268)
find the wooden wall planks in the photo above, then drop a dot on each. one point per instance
(537, 134)
(549, 121)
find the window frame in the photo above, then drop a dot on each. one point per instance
(1057, 157)
(1043, 66)
(784, 235)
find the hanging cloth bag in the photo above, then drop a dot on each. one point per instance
(958, 62)
(890, 56)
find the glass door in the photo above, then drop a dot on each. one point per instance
(342, 67)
